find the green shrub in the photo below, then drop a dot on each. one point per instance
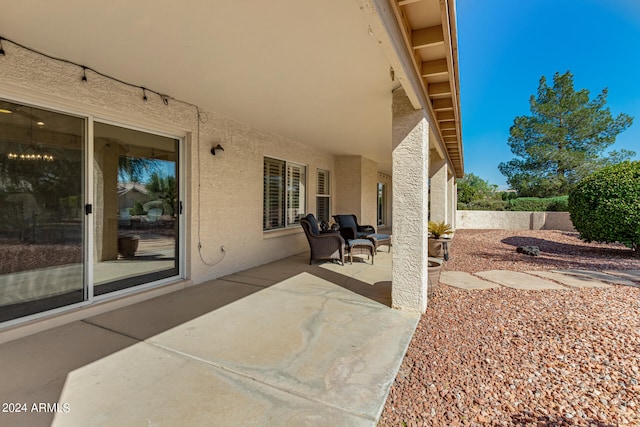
(537, 204)
(488, 205)
(605, 206)
(137, 208)
(558, 204)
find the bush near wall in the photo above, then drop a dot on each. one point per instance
(536, 204)
(605, 206)
(521, 204)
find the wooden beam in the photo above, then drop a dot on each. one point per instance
(437, 67)
(446, 116)
(406, 2)
(442, 88)
(442, 104)
(447, 125)
(425, 37)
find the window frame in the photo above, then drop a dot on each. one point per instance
(285, 192)
(325, 195)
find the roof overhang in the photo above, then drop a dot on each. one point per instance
(315, 72)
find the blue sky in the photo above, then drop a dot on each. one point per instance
(505, 46)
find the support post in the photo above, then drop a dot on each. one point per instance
(410, 205)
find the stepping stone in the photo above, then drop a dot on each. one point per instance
(460, 279)
(518, 280)
(569, 280)
(597, 275)
(633, 275)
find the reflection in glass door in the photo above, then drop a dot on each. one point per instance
(382, 204)
(136, 208)
(42, 220)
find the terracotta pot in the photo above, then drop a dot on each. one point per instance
(436, 247)
(128, 245)
(434, 269)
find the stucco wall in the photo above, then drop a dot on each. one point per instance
(223, 193)
(368, 192)
(514, 220)
(357, 192)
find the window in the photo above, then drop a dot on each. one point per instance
(284, 193)
(382, 204)
(323, 205)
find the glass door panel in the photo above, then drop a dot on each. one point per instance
(42, 220)
(382, 204)
(136, 208)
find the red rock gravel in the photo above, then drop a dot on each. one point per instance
(478, 250)
(503, 357)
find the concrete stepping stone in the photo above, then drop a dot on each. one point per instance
(597, 275)
(518, 280)
(569, 280)
(462, 280)
(633, 275)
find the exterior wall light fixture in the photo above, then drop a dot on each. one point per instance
(217, 147)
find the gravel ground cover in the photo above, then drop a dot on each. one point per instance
(478, 250)
(505, 357)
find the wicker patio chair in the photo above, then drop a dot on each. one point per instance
(350, 229)
(324, 245)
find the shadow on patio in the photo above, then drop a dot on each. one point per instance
(279, 344)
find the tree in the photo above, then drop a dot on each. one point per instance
(605, 206)
(472, 187)
(164, 189)
(563, 140)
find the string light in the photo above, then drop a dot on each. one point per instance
(165, 98)
(200, 117)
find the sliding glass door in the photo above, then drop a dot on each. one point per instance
(136, 208)
(42, 220)
(82, 218)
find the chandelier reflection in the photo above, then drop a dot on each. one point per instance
(45, 157)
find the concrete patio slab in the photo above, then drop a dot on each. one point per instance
(597, 275)
(309, 337)
(518, 280)
(320, 347)
(149, 386)
(569, 280)
(633, 275)
(34, 369)
(462, 280)
(151, 317)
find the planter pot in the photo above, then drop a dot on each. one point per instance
(434, 269)
(128, 245)
(437, 248)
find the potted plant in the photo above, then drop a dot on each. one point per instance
(434, 269)
(438, 243)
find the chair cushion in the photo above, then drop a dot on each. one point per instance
(379, 236)
(360, 242)
(315, 230)
(346, 221)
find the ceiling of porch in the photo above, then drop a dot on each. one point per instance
(310, 71)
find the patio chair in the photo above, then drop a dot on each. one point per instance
(350, 229)
(327, 245)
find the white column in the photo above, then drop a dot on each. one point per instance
(453, 201)
(439, 191)
(410, 203)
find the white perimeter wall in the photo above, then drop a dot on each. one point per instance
(514, 220)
